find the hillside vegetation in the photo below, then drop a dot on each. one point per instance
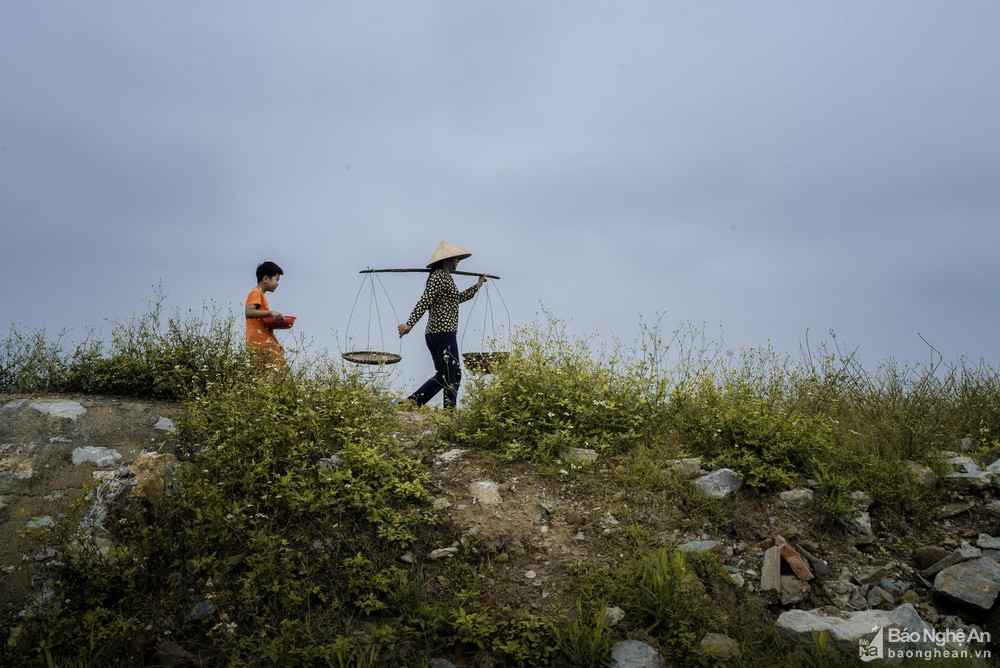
(305, 508)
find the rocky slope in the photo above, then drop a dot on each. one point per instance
(527, 533)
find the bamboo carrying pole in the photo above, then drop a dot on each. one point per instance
(421, 270)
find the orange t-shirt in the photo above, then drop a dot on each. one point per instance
(258, 335)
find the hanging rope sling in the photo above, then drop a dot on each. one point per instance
(371, 354)
(477, 362)
(482, 362)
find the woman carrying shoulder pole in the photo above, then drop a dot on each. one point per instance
(440, 300)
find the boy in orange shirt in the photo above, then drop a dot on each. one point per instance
(260, 337)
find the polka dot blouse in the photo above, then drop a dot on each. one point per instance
(440, 299)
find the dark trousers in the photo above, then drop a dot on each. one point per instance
(448, 368)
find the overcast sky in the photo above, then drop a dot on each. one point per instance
(759, 169)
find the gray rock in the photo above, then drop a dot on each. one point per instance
(165, 424)
(846, 629)
(844, 595)
(699, 546)
(11, 405)
(975, 582)
(963, 464)
(331, 463)
(953, 509)
(770, 572)
(449, 457)
(869, 575)
(988, 542)
(720, 484)
(97, 455)
(890, 587)
(820, 567)
(722, 646)
(687, 468)
(956, 557)
(579, 455)
(880, 598)
(41, 522)
(992, 508)
(921, 473)
(440, 663)
(485, 492)
(613, 615)
(862, 501)
(444, 552)
(70, 410)
(44, 598)
(861, 528)
(793, 590)
(635, 654)
(928, 555)
(978, 480)
(105, 546)
(203, 610)
(797, 498)
(995, 466)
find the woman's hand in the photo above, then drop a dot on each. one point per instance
(482, 279)
(403, 329)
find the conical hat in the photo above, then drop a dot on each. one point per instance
(446, 250)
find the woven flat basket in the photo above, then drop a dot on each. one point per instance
(371, 357)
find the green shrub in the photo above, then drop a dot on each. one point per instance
(295, 501)
(152, 358)
(282, 545)
(149, 355)
(743, 416)
(556, 392)
(30, 361)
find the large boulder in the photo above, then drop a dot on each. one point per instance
(975, 582)
(846, 630)
(720, 484)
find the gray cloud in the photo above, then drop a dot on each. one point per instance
(766, 169)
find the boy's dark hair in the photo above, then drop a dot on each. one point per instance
(268, 269)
